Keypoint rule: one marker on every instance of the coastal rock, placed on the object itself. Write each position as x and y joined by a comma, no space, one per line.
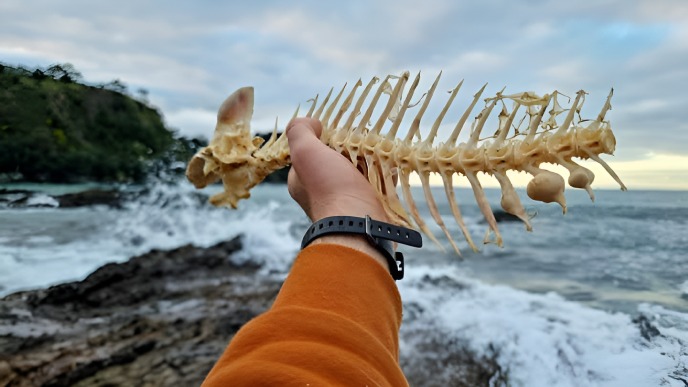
647,330
112,198
503,216
160,319
92,197
12,197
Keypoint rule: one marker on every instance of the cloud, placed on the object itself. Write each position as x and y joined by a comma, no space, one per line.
665,10
324,40
192,123
191,56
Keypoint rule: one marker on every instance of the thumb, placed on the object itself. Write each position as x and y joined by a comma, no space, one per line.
303,129
308,155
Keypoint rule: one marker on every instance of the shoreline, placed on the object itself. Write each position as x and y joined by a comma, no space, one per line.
164,316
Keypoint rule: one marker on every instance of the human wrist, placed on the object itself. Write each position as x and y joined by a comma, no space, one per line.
356,242
379,237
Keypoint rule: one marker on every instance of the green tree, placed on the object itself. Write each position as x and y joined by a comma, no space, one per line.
53,129
64,72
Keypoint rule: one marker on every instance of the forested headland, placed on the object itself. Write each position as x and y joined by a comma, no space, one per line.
56,128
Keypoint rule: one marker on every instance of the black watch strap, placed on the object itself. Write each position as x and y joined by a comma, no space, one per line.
381,235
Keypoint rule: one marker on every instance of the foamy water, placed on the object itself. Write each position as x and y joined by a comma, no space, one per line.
545,340
558,303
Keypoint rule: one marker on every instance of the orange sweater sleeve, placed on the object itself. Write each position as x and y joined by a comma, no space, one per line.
335,322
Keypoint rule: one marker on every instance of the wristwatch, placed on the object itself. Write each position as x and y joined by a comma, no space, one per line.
380,235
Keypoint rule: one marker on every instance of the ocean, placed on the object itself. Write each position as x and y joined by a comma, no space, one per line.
558,302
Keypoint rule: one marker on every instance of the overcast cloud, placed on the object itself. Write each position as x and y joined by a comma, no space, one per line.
191,55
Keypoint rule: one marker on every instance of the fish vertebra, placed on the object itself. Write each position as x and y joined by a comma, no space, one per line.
242,163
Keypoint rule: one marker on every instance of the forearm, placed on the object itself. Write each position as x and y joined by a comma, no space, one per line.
336,320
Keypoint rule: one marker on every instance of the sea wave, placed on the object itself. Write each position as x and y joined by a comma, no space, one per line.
543,339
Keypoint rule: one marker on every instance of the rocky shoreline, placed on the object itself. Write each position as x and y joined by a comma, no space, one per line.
163,319
20,198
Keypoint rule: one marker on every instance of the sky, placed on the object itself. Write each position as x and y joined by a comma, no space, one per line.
191,55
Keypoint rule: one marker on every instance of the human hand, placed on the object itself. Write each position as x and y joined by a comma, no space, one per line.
325,183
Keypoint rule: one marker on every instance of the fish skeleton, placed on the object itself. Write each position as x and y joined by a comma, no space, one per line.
242,161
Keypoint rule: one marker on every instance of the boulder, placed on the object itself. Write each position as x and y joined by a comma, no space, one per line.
112,198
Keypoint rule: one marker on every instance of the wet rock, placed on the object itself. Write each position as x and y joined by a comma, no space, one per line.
10,196
21,202
647,330
160,319
503,216
112,198
32,199
440,359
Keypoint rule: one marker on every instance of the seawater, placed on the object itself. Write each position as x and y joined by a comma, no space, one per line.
557,301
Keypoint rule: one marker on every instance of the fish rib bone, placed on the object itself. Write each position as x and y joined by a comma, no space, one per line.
242,162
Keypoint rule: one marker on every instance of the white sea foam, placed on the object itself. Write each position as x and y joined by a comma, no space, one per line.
267,239
544,340
42,200
47,246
